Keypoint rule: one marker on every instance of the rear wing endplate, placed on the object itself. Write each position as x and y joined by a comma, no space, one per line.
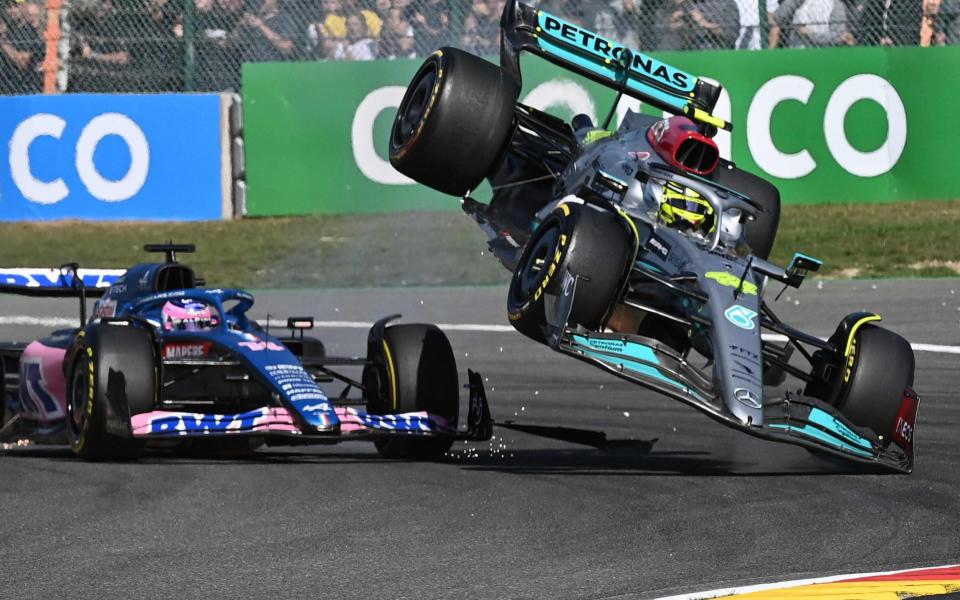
604,61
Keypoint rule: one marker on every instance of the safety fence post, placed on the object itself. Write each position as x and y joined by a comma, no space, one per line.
51,62
189,50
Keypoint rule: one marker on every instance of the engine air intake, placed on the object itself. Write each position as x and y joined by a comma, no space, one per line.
679,142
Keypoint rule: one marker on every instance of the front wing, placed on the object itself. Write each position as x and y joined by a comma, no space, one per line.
354,424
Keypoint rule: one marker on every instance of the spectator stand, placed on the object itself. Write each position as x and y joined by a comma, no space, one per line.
200,45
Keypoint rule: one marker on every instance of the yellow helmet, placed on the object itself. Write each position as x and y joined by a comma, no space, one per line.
685,209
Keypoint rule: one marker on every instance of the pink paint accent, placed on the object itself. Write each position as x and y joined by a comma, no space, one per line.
271,420
351,423
52,378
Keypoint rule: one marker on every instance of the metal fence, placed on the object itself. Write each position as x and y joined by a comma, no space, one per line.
200,45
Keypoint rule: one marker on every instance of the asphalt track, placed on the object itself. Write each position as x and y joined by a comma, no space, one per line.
678,504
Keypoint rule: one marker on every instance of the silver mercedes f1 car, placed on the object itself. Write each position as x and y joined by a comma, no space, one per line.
640,250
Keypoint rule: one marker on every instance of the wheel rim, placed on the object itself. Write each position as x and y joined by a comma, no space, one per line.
536,266
78,392
414,106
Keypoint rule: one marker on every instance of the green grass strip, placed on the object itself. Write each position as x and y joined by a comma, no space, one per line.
917,239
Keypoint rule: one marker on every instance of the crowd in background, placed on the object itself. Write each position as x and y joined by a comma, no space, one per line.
154,45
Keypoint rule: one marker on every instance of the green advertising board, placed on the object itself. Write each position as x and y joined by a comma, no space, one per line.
825,125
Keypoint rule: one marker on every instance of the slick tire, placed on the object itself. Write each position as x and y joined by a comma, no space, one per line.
879,368
760,233
454,122
113,376
420,375
586,241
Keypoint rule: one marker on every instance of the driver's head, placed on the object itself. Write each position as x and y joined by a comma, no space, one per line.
685,209
188,315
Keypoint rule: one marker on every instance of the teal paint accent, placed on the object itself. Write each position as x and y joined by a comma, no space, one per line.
655,65
827,421
797,255
823,436
630,350
611,74
741,316
652,267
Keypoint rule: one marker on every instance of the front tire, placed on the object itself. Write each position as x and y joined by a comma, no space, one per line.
878,370
454,121
420,375
586,241
112,377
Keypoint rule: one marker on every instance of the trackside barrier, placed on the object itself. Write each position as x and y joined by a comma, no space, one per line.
826,125
113,157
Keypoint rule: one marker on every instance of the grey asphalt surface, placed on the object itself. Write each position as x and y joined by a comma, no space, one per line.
680,503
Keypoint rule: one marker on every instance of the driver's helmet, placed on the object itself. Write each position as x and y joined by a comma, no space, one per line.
685,209
184,314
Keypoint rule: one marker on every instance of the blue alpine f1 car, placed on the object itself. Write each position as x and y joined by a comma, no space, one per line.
165,362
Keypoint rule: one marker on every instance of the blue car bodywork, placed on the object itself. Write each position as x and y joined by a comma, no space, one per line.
231,378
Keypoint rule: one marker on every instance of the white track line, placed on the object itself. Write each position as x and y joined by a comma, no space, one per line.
790,584
26,320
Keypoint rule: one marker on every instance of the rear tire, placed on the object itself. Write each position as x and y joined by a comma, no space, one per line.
880,367
454,121
421,375
760,233
112,377
589,242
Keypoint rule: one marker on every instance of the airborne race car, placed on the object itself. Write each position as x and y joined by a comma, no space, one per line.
640,250
165,363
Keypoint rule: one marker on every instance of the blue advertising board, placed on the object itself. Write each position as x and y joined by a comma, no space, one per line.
110,157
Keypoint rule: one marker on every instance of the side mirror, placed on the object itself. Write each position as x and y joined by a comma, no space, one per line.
800,266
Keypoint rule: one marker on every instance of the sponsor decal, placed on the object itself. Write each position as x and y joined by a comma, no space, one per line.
55,278
639,155
187,350
851,359
260,346
658,129
846,432
730,280
742,371
747,398
906,420
295,382
745,354
554,262
106,309
568,281
741,316
603,48
659,246
615,346
197,423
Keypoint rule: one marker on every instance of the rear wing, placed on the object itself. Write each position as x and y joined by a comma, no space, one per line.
69,281
605,61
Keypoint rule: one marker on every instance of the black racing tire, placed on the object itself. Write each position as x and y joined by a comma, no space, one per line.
761,233
880,367
420,375
454,122
113,376
585,240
